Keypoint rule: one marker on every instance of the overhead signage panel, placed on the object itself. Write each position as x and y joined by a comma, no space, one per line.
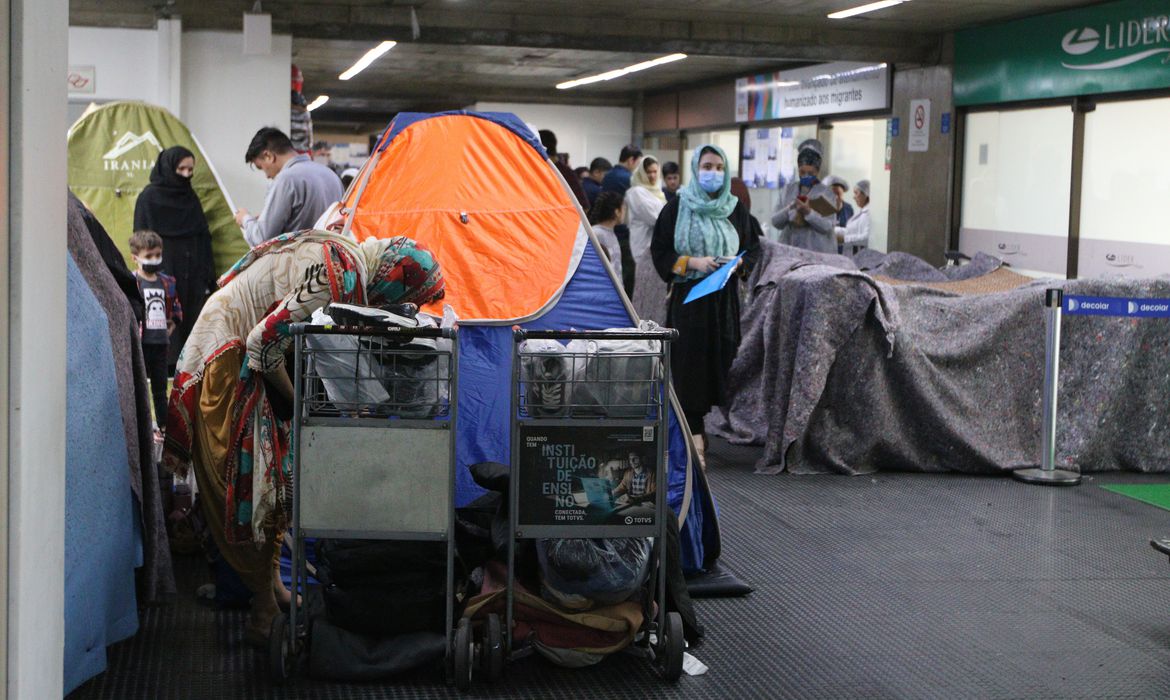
814,91
1116,47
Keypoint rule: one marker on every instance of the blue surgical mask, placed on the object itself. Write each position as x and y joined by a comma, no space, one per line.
711,180
808,180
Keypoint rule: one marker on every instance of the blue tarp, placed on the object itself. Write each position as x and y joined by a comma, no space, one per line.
101,544
505,119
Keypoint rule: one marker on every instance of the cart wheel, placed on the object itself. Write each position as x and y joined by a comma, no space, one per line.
494,648
280,656
462,654
672,647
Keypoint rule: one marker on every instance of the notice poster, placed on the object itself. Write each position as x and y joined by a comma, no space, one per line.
787,162
754,169
587,475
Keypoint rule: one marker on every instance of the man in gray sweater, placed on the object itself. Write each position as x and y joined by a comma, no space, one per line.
300,193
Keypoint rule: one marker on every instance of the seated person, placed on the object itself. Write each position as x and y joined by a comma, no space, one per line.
638,483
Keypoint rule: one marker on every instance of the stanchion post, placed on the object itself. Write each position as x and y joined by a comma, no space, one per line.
1047,473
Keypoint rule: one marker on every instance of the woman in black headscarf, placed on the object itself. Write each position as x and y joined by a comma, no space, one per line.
169,207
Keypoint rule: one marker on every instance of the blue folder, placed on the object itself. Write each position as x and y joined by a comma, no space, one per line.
713,282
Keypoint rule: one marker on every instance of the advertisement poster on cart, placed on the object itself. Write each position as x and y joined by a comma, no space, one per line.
587,475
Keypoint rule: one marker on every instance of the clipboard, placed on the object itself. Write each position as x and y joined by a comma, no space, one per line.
823,206
713,282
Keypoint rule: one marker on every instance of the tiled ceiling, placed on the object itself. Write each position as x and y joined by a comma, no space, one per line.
472,50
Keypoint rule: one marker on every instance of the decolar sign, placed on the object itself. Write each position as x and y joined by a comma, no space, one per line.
1118,45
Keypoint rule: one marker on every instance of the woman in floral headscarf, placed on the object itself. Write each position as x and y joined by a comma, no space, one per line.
231,376
704,225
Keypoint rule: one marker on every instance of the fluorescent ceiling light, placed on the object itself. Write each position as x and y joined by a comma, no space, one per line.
610,75
364,62
321,99
883,4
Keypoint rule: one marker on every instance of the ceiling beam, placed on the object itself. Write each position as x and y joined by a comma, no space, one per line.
361,106
764,40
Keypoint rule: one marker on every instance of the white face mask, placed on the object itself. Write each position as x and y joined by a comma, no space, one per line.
323,160
150,261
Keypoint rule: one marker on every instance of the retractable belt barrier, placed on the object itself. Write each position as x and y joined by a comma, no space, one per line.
1057,303
1116,306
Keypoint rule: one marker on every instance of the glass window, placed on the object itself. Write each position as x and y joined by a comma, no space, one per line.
1017,174
1125,181
857,151
784,140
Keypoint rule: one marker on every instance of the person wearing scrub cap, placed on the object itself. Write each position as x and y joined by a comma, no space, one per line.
798,223
854,235
840,187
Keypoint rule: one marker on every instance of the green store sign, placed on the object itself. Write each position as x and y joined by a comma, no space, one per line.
1115,47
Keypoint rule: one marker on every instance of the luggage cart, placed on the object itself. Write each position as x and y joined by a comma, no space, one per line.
373,449
606,401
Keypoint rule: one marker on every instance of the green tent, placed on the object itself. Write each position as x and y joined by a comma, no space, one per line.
112,149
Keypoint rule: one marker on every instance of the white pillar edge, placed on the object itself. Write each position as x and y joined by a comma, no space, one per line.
36,337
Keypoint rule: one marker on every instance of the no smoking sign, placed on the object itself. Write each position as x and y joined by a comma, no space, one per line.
919,137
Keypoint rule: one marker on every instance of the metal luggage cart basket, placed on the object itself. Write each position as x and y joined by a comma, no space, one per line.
603,393
373,448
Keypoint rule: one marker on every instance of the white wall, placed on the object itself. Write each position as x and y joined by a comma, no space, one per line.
204,78
227,97
583,132
36,349
125,62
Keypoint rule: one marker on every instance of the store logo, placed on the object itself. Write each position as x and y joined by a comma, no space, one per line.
1114,260
1132,308
1133,36
126,143
1080,42
1073,304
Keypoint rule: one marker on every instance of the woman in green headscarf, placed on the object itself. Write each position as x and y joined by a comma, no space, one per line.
704,223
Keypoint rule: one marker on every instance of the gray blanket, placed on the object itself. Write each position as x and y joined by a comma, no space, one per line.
838,372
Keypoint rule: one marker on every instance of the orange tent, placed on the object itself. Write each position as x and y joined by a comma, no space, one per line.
485,202
479,191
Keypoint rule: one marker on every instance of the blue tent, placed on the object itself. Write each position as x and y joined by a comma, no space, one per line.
480,192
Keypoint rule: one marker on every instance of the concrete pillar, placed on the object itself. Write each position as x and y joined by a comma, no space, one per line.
920,183
170,64
36,215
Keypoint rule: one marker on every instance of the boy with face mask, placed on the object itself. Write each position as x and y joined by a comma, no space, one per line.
163,313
